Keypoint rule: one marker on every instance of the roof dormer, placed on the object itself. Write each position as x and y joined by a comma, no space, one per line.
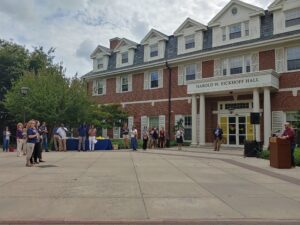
154,45
237,21
100,58
286,15
189,36
125,52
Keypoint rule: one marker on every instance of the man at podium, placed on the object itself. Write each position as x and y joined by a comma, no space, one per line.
289,134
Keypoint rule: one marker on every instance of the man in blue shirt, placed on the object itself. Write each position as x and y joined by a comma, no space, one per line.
82,130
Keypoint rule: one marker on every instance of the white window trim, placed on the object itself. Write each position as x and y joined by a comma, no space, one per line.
121,85
228,65
149,77
104,88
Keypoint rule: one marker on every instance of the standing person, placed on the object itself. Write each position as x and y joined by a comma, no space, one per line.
289,134
20,139
44,133
92,138
6,138
145,138
179,138
24,147
125,133
31,139
82,130
133,140
37,151
55,138
155,137
162,138
62,132
218,134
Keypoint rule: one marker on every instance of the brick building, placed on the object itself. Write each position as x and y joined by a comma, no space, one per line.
245,60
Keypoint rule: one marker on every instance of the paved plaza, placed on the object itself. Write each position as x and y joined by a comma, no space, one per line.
193,186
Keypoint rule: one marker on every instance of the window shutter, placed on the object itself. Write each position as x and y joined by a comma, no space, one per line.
104,132
104,86
130,122
180,74
144,123
118,84
162,121
180,44
217,67
118,59
161,49
279,60
146,53
130,56
160,78
94,91
254,62
116,132
277,121
146,80
130,82
199,70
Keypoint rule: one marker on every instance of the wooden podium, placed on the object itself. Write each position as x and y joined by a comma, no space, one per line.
280,153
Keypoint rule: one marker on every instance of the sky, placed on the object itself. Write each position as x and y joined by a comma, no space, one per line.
75,27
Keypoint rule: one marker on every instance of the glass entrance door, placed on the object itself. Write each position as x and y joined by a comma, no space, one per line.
236,129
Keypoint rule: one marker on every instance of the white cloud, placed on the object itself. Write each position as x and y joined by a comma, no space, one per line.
76,27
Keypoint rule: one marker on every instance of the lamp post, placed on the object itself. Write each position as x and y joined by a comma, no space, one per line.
24,92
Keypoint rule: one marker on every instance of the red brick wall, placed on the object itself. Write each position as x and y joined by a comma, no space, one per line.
113,43
289,80
285,101
208,69
267,60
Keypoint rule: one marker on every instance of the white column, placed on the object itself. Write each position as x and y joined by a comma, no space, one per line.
202,120
194,120
267,116
256,109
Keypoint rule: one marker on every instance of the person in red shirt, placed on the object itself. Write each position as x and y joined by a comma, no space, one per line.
289,134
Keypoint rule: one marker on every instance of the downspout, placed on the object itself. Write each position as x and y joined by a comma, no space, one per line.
169,103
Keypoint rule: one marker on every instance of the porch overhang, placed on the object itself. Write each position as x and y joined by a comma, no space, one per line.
234,83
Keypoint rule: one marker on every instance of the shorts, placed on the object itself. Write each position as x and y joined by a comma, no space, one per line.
125,136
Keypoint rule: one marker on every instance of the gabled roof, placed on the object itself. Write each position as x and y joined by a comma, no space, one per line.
131,44
277,4
154,32
100,48
191,22
237,2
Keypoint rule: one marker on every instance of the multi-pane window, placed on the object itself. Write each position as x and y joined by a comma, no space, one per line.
236,65
154,79
154,122
189,41
224,67
154,50
190,72
235,31
124,83
125,57
293,58
247,63
293,118
292,17
100,85
246,24
243,105
99,64
187,128
224,33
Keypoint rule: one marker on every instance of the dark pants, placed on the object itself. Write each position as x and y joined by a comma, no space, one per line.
145,142
133,143
293,146
37,152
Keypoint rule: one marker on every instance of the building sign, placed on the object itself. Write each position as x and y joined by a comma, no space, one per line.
219,84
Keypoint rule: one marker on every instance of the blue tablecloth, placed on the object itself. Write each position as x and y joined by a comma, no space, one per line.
72,144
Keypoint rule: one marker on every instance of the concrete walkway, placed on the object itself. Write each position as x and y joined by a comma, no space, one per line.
193,186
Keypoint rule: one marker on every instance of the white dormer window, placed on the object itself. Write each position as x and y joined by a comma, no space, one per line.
224,33
154,50
246,26
100,64
235,31
189,41
124,83
292,17
190,72
124,57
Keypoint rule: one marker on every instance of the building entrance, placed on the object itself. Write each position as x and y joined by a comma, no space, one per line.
236,129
